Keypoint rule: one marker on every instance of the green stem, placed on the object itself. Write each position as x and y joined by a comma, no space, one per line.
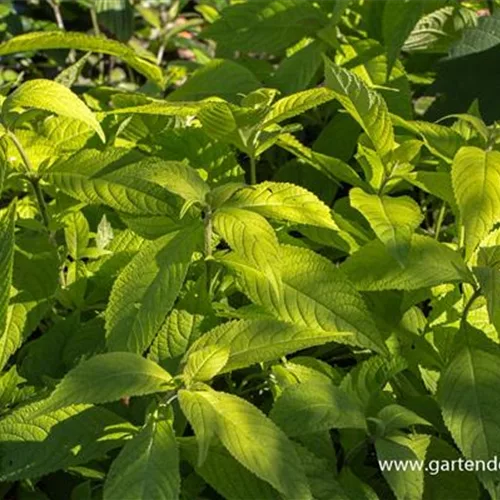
33,180
440,219
253,170
208,229
470,303
54,4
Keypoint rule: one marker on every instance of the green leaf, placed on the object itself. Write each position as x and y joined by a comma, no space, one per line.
108,377
54,97
46,40
283,201
296,104
220,77
35,443
147,288
489,280
297,72
265,26
468,398
397,417
205,364
440,140
252,238
316,295
407,483
333,168
316,407
115,177
365,105
367,379
7,221
117,16
177,333
34,282
76,234
226,475
253,439
147,466
258,341
429,263
483,36
398,21
476,182
393,220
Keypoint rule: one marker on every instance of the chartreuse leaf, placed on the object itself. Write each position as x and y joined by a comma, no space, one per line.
316,406
253,439
108,377
251,237
147,466
45,40
162,108
395,417
54,97
429,263
282,201
407,483
35,443
365,105
205,364
296,104
398,21
76,234
393,220
7,220
489,280
316,295
476,182
147,288
467,394
440,140
114,177
257,341
226,475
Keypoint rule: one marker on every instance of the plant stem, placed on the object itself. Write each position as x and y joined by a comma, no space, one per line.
470,303
440,220
208,228
95,22
54,4
33,180
253,170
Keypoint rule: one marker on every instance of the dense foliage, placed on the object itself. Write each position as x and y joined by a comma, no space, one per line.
248,249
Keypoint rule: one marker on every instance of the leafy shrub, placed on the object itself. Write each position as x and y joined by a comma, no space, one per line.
249,267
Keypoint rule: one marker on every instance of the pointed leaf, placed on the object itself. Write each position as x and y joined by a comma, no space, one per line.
147,288
147,466
429,263
205,364
316,295
283,201
316,407
44,40
393,220
7,220
54,97
476,182
35,443
108,377
258,341
253,439
365,105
